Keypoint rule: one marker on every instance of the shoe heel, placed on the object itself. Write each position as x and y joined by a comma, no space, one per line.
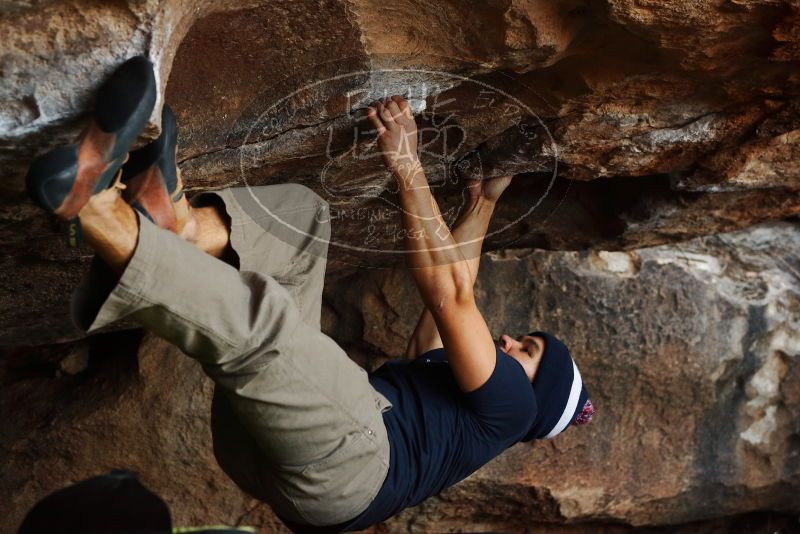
51,176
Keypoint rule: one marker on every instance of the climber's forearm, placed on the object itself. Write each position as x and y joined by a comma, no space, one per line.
468,232
435,259
470,229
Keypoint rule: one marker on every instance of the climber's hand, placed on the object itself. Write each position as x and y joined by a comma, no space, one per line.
397,135
488,188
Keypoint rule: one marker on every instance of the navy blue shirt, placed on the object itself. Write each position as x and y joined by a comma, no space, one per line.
439,435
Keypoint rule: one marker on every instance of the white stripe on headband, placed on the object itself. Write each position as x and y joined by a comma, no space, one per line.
572,403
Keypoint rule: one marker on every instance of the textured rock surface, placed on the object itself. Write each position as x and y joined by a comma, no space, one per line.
691,352
149,412
662,121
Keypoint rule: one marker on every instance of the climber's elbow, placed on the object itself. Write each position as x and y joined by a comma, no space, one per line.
448,291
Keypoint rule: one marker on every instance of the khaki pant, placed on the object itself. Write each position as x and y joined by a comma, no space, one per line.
295,421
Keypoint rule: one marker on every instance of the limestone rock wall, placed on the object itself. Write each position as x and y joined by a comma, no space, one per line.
628,124
691,354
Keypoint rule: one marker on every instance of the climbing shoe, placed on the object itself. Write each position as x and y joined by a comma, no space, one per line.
152,179
62,180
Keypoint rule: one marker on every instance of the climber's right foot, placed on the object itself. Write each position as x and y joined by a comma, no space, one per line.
152,179
63,180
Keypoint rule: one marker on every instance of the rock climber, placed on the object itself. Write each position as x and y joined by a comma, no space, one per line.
234,279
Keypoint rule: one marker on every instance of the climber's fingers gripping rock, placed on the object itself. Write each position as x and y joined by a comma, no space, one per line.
397,135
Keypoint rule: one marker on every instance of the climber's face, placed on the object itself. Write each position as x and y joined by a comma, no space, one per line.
527,350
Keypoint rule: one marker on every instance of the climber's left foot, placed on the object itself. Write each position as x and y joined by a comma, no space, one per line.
153,180
62,180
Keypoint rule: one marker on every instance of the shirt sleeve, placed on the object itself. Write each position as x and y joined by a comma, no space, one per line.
504,407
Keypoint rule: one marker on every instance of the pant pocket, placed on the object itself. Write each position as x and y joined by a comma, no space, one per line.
340,486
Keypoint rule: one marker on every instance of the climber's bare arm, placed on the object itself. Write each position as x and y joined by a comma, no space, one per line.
469,232
438,266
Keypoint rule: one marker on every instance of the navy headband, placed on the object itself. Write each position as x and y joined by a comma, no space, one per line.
559,390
